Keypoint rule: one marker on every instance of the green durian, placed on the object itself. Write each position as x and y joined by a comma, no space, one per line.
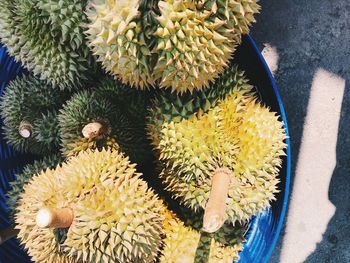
110,214
238,139
92,120
29,109
119,35
47,37
30,170
185,244
8,30
131,102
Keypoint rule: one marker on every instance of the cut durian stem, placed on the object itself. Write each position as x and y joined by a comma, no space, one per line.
215,211
25,129
94,130
7,233
54,218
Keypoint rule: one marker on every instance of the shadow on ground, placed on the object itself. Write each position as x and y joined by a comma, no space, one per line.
310,35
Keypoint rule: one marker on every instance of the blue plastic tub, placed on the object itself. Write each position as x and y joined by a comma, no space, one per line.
264,229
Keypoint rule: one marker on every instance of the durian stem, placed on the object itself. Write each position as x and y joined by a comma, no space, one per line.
54,218
25,129
7,233
93,130
215,210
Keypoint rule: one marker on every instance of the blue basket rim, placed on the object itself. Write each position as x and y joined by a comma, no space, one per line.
288,153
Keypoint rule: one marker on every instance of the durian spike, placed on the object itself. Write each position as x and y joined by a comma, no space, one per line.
7,233
25,129
215,210
54,218
93,130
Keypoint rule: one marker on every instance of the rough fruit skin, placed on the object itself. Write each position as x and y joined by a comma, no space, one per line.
47,37
167,107
192,46
48,162
184,244
251,148
46,129
177,44
119,36
196,39
113,108
238,133
82,108
238,14
32,100
116,215
131,102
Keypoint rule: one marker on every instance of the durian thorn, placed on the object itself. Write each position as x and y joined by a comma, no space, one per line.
215,210
94,130
25,129
54,218
7,233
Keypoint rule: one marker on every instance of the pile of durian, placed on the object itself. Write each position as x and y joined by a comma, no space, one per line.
151,145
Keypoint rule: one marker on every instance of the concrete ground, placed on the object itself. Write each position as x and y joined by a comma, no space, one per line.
307,42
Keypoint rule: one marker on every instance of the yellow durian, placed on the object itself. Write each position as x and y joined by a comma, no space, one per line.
223,158
184,244
93,208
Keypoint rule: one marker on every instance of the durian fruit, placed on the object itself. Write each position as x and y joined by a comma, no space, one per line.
94,208
196,39
192,46
91,120
183,243
17,188
238,14
8,29
167,107
120,36
225,160
131,102
29,108
30,170
179,44
47,37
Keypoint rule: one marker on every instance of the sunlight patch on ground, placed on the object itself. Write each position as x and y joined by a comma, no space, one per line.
310,209
271,57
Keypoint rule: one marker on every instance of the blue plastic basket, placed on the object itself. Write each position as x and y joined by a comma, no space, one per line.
264,229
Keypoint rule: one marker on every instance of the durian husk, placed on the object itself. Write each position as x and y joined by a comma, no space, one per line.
46,130
237,133
84,144
42,244
47,37
131,102
119,36
124,130
24,177
192,46
8,30
184,244
170,107
34,102
116,216
238,14
176,44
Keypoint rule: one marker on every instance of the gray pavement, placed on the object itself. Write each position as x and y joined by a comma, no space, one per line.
311,39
